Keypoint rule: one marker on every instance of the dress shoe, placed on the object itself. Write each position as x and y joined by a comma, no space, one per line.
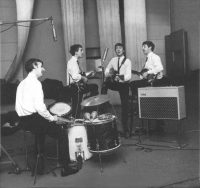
73,164
68,171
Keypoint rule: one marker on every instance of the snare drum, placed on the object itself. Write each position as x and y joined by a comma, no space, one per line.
78,142
103,136
60,109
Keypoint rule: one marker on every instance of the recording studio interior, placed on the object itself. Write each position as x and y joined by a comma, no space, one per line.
100,93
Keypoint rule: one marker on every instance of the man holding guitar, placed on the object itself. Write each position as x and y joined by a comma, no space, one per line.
118,75
77,80
152,72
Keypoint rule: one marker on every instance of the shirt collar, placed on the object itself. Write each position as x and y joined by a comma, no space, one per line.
74,58
32,75
149,54
120,57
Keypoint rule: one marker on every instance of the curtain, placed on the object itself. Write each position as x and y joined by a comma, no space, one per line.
24,12
135,31
109,26
73,27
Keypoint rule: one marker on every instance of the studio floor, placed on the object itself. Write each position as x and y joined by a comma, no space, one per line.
157,164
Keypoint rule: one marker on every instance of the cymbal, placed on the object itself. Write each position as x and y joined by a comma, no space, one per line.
95,100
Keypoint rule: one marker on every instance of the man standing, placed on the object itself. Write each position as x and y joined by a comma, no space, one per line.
35,117
77,80
118,75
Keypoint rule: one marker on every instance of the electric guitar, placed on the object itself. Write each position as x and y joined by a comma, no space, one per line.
150,77
112,76
81,84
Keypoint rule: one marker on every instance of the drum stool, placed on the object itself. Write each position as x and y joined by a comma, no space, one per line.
55,158
27,168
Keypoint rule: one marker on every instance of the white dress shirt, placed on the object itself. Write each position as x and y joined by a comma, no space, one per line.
73,71
30,98
154,65
124,70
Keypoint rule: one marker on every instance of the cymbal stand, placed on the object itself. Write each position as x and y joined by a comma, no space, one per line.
98,150
17,170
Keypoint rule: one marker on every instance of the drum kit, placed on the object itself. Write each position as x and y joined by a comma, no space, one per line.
95,134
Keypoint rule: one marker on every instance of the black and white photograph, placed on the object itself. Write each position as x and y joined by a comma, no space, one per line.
99,93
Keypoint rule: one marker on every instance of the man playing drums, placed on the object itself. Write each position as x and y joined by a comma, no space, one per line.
35,117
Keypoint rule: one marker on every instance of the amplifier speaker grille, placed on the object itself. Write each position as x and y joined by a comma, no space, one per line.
162,102
159,107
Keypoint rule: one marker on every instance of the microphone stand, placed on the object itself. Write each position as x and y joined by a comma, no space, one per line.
102,66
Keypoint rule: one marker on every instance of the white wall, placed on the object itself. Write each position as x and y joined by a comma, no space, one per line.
185,14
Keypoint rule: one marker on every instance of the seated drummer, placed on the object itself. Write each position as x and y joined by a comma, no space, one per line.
35,117
118,75
77,80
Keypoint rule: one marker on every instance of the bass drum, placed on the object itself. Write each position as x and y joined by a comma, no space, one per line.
78,142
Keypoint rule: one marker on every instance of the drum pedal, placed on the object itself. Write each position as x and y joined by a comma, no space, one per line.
80,152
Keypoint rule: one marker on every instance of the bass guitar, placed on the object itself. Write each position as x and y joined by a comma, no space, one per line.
150,77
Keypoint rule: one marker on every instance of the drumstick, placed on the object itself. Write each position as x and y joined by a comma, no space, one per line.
64,120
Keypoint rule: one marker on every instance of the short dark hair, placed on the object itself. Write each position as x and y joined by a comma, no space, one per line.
119,44
74,48
149,44
29,65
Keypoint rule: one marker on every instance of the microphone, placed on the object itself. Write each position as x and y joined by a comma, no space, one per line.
105,54
53,29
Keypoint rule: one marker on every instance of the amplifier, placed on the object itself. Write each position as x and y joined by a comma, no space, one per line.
162,102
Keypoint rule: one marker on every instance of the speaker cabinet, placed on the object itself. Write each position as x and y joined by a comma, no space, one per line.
162,102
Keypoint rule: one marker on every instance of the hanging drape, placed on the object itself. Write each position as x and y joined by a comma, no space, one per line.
73,27
135,31
24,12
109,26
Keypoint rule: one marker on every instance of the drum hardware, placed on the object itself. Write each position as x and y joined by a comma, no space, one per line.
62,110
78,141
103,136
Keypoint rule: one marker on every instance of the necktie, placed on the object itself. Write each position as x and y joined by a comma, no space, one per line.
118,65
79,66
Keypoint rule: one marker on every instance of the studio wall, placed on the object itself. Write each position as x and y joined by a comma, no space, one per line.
163,16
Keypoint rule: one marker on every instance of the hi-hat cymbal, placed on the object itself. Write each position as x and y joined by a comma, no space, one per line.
95,100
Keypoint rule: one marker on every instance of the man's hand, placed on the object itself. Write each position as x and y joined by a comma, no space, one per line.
55,118
84,79
144,75
117,78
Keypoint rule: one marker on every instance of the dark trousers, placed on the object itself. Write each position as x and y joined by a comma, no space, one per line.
77,96
41,127
123,89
